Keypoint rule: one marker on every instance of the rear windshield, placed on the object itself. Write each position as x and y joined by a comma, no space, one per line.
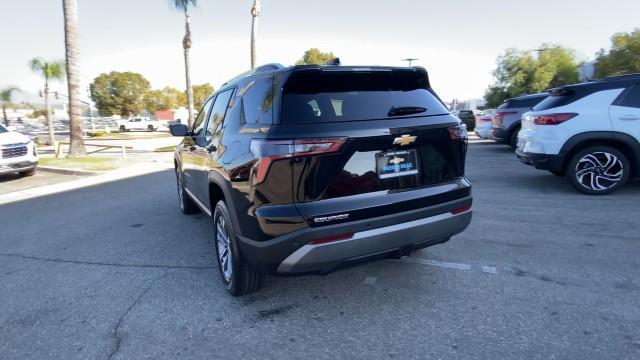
325,96
555,101
526,103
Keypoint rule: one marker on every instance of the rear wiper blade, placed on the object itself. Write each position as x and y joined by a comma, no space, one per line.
406,110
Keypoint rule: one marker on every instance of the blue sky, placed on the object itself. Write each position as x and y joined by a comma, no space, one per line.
456,40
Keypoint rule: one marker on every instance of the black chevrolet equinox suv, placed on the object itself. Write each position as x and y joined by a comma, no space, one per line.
307,169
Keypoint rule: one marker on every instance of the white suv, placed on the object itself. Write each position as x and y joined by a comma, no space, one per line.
17,153
588,131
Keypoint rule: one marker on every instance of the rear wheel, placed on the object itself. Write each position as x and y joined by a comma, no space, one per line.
187,206
513,137
150,128
122,128
237,276
598,170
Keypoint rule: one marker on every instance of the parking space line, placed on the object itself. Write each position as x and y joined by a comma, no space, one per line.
449,265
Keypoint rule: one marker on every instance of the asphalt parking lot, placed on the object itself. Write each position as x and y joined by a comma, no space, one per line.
13,182
116,272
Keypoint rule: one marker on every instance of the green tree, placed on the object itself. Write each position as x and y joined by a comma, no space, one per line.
183,5
622,58
520,72
201,93
315,56
5,97
164,99
120,93
76,141
53,70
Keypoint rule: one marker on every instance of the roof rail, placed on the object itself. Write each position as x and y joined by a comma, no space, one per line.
621,77
259,69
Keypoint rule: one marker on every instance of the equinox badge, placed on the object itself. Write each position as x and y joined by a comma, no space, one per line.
404,140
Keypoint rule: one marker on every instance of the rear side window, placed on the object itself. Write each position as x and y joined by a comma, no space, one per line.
631,98
317,96
257,101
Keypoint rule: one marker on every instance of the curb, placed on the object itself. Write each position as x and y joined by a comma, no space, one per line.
64,171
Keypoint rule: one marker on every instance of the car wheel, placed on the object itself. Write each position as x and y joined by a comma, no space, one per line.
598,170
237,275
150,128
122,128
28,173
187,205
513,137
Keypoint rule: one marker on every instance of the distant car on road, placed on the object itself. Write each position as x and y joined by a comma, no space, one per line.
507,119
468,118
484,122
588,132
139,124
17,153
349,164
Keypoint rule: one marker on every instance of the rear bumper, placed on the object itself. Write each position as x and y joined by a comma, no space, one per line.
404,237
541,161
398,233
499,135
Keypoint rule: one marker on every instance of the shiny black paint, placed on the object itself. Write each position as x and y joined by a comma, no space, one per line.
279,205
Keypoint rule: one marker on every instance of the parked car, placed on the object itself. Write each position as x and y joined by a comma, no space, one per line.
139,124
309,168
17,153
507,119
484,122
589,132
468,118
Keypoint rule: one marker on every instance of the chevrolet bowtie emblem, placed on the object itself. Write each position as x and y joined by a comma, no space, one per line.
396,160
404,140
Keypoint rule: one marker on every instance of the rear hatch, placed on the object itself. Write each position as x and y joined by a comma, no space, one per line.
368,142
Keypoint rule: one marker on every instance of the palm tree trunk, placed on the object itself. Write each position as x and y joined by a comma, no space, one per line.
52,138
186,44
254,26
76,142
4,114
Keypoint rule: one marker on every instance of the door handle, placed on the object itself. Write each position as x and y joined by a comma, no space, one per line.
629,117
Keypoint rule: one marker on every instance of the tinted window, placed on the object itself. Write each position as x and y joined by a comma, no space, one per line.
217,112
632,97
3,129
257,101
198,124
524,103
554,101
316,96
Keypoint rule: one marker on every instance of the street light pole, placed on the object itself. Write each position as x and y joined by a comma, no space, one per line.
255,12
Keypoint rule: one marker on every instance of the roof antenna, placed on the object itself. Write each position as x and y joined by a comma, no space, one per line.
334,61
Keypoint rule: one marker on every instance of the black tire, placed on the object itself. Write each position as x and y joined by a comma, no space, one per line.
237,276
598,170
28,173
122,128
513,137
187,205
150,128
558,173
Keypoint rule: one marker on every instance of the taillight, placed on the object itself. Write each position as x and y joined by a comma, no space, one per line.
552,119
458,133
268,151
498,118
460,210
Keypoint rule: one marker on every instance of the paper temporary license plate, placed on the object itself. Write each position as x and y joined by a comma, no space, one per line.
396,163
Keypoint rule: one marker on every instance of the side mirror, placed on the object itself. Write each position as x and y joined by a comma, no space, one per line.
178,130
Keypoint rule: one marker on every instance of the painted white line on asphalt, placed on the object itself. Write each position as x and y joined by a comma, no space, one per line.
448,265
489,269
370,280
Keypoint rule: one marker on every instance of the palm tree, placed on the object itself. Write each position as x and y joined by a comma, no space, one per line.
183,5
5,96
49,71
76,142
255,12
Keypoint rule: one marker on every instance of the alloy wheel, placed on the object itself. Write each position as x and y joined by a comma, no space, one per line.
599,171
224,248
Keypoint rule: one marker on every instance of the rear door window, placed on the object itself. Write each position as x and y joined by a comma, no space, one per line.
325,96
632,97
257,101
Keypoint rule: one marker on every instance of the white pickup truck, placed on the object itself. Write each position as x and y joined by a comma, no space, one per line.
139,124
17,153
